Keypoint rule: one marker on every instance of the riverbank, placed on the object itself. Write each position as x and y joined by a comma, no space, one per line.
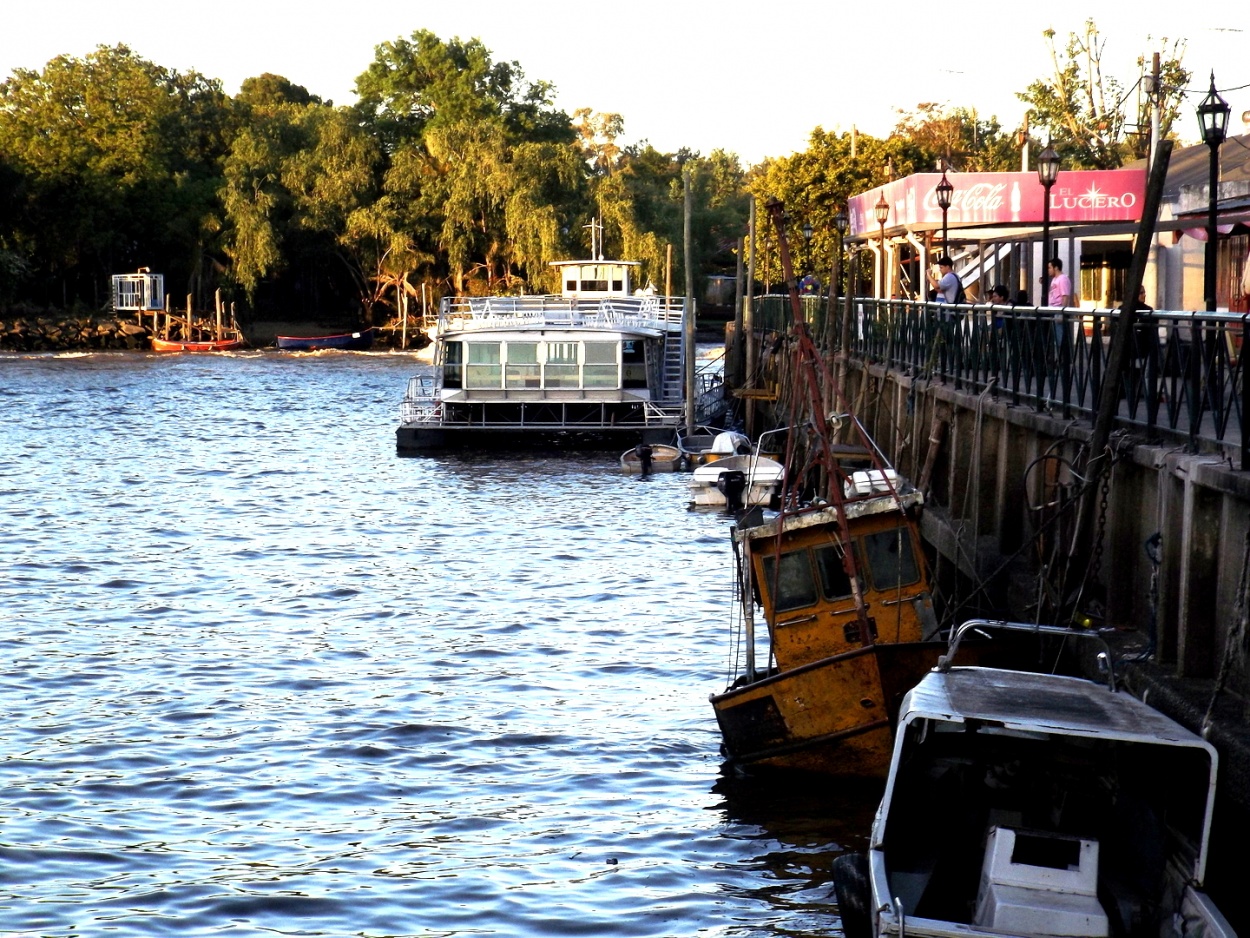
55,331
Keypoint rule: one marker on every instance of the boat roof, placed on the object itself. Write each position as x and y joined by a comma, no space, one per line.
1047,703
828,514
593,261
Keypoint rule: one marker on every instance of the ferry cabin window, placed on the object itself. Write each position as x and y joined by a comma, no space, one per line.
633,364
484,369
891,561
560,370
453,365
791,587
522,370
600,368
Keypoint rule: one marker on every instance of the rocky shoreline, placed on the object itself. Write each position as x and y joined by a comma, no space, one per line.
59,332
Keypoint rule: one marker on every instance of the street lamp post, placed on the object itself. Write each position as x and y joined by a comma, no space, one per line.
882,211
944,192
840,222
1213,118
807,240
1047,173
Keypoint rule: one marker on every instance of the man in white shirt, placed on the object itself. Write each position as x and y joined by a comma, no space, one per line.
947,285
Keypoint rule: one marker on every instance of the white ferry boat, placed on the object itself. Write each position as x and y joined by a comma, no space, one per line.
600,364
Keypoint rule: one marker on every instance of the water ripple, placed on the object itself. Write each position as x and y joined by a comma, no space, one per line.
263,677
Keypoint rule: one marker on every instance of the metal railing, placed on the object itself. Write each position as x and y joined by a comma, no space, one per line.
1184,371
616,312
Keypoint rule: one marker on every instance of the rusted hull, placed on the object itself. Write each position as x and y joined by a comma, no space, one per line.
833,716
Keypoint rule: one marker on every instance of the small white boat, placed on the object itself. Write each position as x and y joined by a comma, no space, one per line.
1036,806
737,481
703,444
650,457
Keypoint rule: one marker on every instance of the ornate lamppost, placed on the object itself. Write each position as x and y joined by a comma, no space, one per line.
1047,173
807,240
1213,118
882,211
840,222
945,189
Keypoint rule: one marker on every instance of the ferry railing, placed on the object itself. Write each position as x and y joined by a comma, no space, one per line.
1185,372
495,312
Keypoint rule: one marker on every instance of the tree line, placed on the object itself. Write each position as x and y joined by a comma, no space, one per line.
451,171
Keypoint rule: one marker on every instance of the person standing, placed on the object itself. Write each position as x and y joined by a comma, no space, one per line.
946,284
1060,294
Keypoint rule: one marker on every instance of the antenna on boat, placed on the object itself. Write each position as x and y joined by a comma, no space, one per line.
596,239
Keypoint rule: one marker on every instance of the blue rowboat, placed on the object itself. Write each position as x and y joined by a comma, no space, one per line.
348,341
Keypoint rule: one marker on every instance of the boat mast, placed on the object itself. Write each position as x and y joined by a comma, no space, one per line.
809,364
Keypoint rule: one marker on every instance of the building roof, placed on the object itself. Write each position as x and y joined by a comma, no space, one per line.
1189,171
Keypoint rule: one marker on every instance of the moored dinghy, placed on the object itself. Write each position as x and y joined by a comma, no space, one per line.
345,342
650,457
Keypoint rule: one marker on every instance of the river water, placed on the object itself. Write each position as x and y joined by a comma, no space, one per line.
262,677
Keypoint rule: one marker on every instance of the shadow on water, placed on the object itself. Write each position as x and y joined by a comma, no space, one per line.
803,822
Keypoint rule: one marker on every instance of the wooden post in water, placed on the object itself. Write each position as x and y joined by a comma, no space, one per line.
190,320
1098,462
668,273
739,348
217,304
688,303
155,326
748,325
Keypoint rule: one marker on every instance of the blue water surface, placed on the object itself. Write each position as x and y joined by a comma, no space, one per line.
260,676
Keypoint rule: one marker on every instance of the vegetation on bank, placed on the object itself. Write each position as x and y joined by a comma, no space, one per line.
451,172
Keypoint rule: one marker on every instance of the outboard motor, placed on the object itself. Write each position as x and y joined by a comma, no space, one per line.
732,483
643,452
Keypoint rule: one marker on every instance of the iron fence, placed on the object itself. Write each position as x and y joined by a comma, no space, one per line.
1184,372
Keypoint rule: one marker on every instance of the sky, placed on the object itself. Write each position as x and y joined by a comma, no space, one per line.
751,78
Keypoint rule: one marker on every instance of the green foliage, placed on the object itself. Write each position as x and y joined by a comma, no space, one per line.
814,185
117,158
958,139
1084,112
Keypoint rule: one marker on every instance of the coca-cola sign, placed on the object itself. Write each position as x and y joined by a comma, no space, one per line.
1003,199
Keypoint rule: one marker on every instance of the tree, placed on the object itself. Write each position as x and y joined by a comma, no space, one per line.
958,139
301,191
1084,111
479,155
119,159
816,183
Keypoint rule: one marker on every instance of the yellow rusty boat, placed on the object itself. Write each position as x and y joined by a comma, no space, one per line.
840,579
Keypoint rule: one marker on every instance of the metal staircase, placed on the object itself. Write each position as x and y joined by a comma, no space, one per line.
672,391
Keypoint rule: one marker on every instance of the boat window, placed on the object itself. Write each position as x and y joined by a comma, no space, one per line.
891,560
794,586
453,364
484,369
834,582
618,286
600,370
523,369
560,370
633,364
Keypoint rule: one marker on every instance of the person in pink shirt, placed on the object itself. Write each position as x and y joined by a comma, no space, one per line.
1060,294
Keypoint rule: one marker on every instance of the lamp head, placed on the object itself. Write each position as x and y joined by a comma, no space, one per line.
945,189
881,210
1213,117
1047,166
841,222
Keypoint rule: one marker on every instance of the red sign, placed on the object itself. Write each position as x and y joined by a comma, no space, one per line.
1004,199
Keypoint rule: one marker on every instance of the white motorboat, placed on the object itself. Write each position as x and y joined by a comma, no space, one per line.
1029,804
737,481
